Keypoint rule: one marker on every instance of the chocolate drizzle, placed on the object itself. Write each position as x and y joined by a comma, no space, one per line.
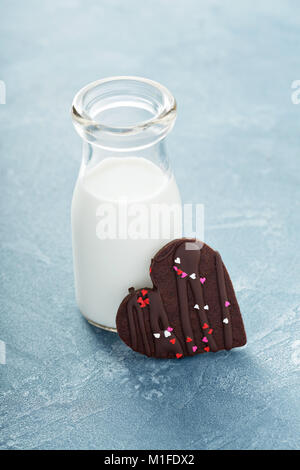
227,325
184,315
189,255
137,322
164,341
198,297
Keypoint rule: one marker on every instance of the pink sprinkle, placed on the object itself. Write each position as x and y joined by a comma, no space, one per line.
202,280
205,340
169,328
227,303
195,348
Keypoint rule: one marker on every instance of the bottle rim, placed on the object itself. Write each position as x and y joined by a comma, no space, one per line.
164,118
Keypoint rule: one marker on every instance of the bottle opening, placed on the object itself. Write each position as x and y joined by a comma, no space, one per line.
123,112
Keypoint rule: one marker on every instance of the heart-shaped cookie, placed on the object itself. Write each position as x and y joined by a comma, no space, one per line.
174,321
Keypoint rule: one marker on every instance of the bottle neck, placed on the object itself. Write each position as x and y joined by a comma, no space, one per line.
156,153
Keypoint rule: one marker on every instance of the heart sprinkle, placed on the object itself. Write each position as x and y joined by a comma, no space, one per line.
193,276
210,331
144,292
188,340
177,260
206,307
178,355
196,306
202,280
142,302
169,328
227,303
226,321
156,335
205,340
195,348
206,349
179,272
173,340
205,326
167,333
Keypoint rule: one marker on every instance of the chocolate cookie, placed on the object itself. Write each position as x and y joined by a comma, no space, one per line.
191,309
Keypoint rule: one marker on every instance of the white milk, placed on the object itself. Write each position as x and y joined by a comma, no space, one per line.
106,268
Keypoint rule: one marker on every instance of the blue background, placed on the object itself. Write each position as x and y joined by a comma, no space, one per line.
235,147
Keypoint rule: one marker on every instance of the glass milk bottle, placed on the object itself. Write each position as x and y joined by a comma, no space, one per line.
126,204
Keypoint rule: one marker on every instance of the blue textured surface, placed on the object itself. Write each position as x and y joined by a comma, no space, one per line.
235,148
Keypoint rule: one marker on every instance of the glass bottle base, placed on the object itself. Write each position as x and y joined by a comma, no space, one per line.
107,328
